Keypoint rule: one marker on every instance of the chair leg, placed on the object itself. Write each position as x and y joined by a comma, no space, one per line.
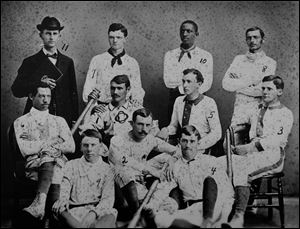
280,199
270,210
16,204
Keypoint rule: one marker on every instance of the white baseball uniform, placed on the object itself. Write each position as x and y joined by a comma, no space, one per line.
190,176
173,67
269,132
250,70
100,73
43,128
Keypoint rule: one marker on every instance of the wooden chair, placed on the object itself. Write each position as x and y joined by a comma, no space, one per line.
24,189
241,136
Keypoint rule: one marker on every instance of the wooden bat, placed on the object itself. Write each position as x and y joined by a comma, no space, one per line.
228,153
86,109
149,194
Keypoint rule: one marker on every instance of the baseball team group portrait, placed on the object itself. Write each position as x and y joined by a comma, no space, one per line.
139,114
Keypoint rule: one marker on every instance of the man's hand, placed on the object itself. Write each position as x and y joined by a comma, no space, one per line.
233,75
136,103
154,172
59,206
88,219
154,129
27,137
169,171
94,94
53,142
50,151
163,134
48,81
100,109
244,149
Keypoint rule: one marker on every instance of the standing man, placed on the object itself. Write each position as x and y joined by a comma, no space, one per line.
43,139
270,128
188,55
195,109
245,74
52,68
115,61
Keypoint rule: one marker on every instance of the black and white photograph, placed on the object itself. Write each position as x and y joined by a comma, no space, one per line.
149,114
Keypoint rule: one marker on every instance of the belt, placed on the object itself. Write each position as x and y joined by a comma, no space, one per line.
75,205
191,202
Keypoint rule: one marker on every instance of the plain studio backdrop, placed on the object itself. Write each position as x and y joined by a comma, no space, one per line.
153,29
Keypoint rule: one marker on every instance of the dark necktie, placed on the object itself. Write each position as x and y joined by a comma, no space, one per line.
188,162
187,112
260,125
187,51
54,55
116,58
182,53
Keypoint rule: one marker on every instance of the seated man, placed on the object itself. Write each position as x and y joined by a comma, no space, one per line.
86,197
205,186
43,139
129,153
115,117
195,109
270,128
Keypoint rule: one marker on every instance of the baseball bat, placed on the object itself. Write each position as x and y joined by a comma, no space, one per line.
228,153
149,194
84,112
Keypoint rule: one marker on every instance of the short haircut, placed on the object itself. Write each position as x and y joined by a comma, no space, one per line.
34,90
262,34
190,22
189,130
91,133
196,72
118,26
277,80
144,112
119,79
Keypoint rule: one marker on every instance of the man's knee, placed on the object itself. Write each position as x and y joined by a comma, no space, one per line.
106,221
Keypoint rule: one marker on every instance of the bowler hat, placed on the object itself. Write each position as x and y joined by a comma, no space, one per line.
50,23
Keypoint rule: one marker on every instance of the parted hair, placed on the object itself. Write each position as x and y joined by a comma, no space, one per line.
92,133
119,79
277,80
144,112
262,34
196,72
190,130
34,90
118,26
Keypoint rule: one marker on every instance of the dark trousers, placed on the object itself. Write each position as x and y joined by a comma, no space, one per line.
173,94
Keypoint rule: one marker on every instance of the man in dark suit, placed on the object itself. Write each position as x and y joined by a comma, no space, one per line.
53,69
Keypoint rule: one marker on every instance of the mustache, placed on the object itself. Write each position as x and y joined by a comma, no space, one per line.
143,132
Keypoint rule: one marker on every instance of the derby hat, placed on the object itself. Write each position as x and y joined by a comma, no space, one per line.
50,23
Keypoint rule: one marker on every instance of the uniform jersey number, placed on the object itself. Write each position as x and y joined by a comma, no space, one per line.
124,160
213,170
211,114
203,61
280,131
264,68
